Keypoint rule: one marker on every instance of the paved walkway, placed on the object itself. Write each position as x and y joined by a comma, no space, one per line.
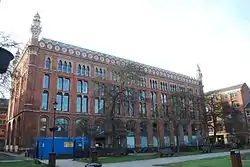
148,163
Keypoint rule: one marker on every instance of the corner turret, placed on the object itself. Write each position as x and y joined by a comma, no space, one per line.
198,73
35,29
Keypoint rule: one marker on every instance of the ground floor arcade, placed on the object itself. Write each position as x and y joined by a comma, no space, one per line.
22,130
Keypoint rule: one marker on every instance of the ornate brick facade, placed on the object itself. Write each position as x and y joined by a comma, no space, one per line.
25,110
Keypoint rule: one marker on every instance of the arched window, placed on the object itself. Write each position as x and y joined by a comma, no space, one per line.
18,133
79,86
59,101
83,70
13,131
66,102
79,69
87,71
43,126
166,135
69,67
9,134
81,128
59,65
62,125
104,74
45,99
79,104
100,72
96,72
48,63
65,67
143,134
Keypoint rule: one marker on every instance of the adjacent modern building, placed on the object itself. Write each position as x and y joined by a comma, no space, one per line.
3,114
238,97
52,71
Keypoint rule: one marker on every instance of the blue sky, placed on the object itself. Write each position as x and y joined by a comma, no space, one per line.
170,34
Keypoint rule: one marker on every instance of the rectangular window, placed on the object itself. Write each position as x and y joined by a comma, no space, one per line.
66,103
78,104
85,104
96,105
101,109
117,108
79,86
85,87
60,83
46,81
45,101
66,85
59,102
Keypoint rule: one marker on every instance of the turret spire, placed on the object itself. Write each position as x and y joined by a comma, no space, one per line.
198,73
35,29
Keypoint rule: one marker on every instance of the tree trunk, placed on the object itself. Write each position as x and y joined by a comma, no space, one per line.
214,137
176,130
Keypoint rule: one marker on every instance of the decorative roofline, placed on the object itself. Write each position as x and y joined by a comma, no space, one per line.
72,50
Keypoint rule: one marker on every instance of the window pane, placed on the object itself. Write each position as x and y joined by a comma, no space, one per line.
65,67
69,68
83,70
85,87
59,83
59,65
126,106
44,120
101,106
45,101
79,86
59,102
62,125
79,69
66,103
87,71
43,129
66,85
96,105
104,74
85,104
79,104
46,81
47,65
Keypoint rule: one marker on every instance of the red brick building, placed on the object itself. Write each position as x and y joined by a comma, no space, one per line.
53,71
237,96
3,114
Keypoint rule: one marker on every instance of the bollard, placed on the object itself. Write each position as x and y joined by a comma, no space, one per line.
52,159
235,158
94,156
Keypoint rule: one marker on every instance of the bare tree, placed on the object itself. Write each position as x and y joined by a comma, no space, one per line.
214,115
5,79
113,96
234,121
223,115
181,112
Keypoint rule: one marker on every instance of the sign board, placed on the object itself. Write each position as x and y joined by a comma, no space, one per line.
68,144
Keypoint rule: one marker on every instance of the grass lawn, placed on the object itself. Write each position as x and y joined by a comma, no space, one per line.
21,164
211,162
111,159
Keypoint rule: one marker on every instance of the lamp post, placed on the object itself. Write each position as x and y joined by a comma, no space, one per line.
52,154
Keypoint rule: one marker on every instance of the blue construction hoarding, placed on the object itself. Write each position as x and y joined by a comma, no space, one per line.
63,146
